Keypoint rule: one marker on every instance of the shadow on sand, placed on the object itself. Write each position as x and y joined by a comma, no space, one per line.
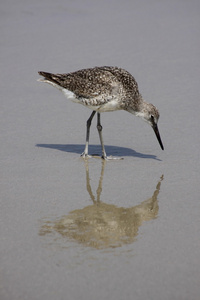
95,150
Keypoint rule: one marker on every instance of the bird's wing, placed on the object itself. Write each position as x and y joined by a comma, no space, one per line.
87,83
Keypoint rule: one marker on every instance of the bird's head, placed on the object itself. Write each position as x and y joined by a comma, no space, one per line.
149,113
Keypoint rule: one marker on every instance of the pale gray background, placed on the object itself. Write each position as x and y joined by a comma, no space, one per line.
158,42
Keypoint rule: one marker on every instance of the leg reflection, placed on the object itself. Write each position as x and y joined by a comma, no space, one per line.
103,225
88,185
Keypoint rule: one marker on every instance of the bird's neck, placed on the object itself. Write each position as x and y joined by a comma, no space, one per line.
138,107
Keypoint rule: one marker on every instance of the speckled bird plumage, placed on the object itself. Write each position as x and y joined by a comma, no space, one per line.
97,86
105,89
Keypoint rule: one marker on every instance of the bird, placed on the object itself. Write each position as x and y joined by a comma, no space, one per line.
104,89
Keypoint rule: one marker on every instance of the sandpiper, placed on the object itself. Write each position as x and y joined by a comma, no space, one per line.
104,89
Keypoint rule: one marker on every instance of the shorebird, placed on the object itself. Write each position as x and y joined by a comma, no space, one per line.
104,89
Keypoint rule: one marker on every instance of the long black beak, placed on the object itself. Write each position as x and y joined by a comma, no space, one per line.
155,128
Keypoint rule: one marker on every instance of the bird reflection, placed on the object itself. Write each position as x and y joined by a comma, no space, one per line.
102,225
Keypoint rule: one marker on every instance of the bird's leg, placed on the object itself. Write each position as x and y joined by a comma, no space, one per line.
89,121
99,128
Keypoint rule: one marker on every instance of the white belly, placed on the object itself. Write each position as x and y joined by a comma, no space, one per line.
111,105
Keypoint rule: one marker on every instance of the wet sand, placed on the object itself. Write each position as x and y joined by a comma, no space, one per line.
89,229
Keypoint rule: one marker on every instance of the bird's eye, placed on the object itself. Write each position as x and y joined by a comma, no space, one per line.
152,118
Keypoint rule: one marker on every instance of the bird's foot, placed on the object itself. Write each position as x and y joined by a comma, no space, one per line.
111,157
105,157
85,156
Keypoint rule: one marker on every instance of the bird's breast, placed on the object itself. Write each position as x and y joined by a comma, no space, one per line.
111,105
98,103
101,105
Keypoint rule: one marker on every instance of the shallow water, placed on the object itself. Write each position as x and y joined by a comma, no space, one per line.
101,225
88,229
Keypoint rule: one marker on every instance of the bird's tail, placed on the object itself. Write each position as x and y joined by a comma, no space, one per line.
48,77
